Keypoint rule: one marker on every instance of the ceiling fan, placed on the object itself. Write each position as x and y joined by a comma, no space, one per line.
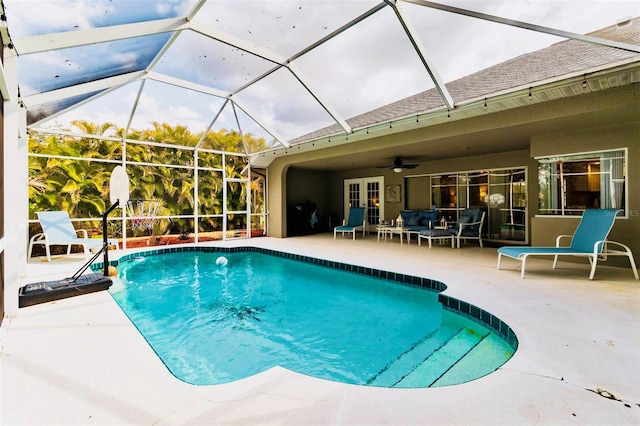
398,165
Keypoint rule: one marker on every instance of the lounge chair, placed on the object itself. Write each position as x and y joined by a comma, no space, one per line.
57,230
589,240
355,222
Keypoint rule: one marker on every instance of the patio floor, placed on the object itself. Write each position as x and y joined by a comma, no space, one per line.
80,360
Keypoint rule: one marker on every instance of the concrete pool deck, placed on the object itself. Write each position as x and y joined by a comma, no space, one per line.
81,361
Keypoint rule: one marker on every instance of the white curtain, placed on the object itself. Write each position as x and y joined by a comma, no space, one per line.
612,180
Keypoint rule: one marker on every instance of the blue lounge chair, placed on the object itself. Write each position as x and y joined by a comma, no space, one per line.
356,221
57,230
589,240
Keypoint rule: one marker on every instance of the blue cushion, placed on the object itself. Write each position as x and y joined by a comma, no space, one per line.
407,214
435,232
465,219
428,214
428,217
473,214
413,221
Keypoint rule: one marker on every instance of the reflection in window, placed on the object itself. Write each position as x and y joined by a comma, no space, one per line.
500,193
373,203
444,195
570,184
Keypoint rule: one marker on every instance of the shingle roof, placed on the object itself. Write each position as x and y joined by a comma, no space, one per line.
563,58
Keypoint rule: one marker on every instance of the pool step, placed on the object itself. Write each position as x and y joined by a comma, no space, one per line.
436,366
485,358
393,372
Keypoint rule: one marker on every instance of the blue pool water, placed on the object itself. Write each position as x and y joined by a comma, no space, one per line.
214,324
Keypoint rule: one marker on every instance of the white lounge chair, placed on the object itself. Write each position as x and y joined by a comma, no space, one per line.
57,230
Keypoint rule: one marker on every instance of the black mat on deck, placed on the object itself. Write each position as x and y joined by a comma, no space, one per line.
46,291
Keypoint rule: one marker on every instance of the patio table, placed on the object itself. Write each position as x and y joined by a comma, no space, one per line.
385,231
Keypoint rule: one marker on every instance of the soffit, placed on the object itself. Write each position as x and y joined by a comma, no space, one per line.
505,136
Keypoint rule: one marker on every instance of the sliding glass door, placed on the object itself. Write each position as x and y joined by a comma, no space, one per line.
500,193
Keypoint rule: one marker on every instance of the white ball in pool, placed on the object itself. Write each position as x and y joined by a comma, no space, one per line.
222,261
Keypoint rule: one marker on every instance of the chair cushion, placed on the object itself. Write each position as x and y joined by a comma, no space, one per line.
474,214
413,221
428,217
470,231
407,214
436,232
356,216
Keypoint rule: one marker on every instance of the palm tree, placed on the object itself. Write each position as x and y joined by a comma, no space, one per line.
81,187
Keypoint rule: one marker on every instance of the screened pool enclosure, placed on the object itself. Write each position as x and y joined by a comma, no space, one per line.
195,98
192,194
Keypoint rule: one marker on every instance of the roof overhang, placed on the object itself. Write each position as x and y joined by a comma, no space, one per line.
587,81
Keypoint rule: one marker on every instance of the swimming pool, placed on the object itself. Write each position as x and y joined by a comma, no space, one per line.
211,324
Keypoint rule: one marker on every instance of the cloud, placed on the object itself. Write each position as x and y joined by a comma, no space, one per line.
367,66
41,17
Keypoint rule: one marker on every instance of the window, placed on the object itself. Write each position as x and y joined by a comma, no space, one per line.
572,183
500,193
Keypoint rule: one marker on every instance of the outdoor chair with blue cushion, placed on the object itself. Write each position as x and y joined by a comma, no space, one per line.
420,220
355,222
57,230
468,226
435,234
589,240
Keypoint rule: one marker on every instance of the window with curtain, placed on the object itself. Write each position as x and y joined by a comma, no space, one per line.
570,184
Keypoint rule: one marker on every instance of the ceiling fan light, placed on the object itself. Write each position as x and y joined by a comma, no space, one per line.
397,169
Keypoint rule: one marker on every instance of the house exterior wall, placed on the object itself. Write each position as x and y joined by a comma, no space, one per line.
277,199
544,229
314,190
417,192
556,127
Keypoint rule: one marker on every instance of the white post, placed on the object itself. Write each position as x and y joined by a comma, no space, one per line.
224,197
123,208
248,204
16,198
196,201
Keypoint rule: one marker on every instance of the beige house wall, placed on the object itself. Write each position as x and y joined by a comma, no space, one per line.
544,229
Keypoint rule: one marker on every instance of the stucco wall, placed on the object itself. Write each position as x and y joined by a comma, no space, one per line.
544,229
417,193
277,199
308,186
314,187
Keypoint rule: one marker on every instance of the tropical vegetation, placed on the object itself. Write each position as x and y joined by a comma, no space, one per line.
72,173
